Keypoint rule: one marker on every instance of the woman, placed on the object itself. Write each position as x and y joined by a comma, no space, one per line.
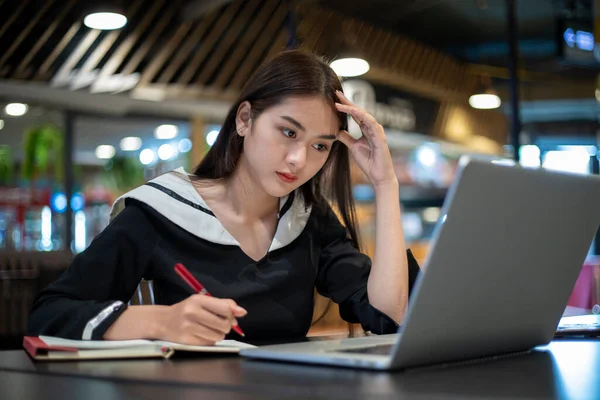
251,224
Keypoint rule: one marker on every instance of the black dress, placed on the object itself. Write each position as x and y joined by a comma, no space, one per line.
166,222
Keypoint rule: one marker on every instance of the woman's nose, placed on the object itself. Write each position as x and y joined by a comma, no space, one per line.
297,157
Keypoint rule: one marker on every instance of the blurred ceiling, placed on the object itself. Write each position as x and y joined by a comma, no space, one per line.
446,23
552,88
217,43
205,49
476,30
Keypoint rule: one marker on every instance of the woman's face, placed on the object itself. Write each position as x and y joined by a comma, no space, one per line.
289,143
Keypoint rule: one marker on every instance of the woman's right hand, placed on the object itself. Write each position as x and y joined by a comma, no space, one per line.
199,320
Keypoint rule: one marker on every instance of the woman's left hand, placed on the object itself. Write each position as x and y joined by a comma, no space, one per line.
370,151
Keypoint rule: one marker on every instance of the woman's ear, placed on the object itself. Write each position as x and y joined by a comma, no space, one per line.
243,118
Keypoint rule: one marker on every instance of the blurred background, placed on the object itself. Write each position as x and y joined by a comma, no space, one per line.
98,96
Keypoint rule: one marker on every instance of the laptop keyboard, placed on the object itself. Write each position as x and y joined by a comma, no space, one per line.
381,349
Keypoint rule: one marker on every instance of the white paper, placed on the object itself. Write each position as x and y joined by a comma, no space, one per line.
120,344
223,343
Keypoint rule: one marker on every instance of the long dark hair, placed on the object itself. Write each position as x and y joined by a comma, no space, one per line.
290,73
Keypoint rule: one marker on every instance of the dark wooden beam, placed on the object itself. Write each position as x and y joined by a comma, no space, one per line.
125,47
44,70
253,59
7,24
184,51
24,32
227,41
155,33
222,24
162,58
21,70
82,47
251,35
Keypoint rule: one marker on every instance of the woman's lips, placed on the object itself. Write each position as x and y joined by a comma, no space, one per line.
288,178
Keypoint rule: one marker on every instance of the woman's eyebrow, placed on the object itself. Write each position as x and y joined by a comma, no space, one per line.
328,137
302,128
294,122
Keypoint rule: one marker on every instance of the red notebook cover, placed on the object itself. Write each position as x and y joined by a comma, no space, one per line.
34,346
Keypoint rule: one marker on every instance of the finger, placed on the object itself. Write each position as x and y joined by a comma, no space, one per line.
239,312
193,340
235,309
207,333
354,110
226,308
212,304
361,117
343,98
214,321
222,307
350,110
196,313
345,138
372,130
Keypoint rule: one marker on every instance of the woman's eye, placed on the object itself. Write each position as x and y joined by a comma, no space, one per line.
289,133
321,147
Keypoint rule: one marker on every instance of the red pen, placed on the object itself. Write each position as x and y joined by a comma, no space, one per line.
197,286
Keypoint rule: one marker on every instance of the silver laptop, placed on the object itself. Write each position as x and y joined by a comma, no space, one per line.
503,261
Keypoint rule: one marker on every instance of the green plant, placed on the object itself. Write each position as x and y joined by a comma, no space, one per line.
124,173
6,165
43,150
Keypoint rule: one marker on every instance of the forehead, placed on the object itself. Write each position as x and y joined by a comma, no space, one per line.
313,112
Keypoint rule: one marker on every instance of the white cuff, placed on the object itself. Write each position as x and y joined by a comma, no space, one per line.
98,319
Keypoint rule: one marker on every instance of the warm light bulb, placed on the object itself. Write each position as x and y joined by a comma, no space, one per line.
350,66
16,109
105,21
484,101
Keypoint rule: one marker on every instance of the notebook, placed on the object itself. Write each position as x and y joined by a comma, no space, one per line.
52,348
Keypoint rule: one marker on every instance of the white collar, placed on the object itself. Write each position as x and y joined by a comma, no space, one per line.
174,196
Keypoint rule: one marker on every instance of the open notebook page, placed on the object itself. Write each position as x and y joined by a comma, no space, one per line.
120,344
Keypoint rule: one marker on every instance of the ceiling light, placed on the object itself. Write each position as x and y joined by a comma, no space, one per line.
147,156
431,214
105,20
1,124
184,145
16,109
350,66
166,151
485,97
166,131
131,143
105,151
427,156
211,137
485,101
